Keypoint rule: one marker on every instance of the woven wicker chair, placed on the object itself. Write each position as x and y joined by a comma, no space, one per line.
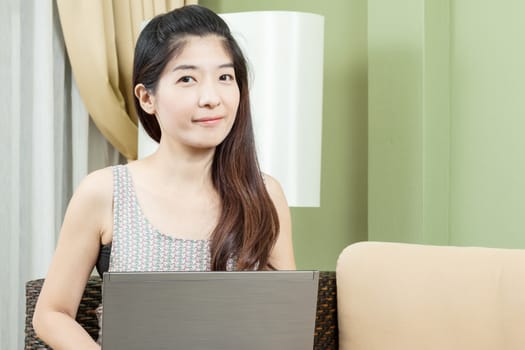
325,334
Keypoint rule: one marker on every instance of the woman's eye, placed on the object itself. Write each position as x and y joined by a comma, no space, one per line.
227,77
186,79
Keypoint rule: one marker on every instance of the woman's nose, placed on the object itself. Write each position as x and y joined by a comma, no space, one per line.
209,96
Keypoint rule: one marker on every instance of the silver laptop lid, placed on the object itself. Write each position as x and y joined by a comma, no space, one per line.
209,310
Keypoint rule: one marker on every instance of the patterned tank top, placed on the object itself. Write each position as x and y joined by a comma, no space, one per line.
138,246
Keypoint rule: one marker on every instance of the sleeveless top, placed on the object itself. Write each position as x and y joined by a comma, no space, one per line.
138,246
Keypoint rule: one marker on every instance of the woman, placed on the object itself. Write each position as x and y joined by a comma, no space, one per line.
199,202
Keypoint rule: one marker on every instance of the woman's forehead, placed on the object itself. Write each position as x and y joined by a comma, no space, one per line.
205,49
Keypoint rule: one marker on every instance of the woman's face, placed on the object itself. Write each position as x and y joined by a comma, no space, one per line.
197,96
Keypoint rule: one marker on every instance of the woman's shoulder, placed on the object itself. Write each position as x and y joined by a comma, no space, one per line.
91,204
272,184
97,186
282,256
100,177
274,189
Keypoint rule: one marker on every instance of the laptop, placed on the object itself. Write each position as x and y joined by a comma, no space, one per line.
209,310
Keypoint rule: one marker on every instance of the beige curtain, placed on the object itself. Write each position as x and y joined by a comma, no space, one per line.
100,36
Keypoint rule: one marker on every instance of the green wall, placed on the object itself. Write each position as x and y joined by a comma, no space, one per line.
320,234
409,122
423,124
446,122
488,123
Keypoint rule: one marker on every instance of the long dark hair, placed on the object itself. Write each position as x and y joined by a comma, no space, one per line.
248,224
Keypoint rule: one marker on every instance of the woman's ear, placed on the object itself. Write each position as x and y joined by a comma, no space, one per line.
146,99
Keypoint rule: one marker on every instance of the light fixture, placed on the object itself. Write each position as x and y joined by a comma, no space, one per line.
284,51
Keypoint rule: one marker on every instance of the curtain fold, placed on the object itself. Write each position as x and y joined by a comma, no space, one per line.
36,152
100,36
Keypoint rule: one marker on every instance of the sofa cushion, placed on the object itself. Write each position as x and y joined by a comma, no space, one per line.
407,296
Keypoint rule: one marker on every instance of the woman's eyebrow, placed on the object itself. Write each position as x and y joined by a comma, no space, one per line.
193,67
184,67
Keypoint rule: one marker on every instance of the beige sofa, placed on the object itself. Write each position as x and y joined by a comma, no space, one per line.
406,297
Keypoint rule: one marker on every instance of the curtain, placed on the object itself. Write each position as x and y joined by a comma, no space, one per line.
100,36
36,152
47,145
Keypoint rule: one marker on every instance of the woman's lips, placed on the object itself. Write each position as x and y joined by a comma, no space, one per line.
208,120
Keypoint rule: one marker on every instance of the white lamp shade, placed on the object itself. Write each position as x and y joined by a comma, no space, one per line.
284,51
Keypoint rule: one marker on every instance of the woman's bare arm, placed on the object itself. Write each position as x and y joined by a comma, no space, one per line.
88,217
282,256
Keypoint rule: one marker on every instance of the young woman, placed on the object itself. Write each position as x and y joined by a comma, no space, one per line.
199,203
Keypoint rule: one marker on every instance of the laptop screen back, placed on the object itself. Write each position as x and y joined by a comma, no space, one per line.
209,310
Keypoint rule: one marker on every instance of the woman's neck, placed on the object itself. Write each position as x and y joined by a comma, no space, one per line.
190,169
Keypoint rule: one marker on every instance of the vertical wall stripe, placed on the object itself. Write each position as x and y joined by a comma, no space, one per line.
409,120
395,123
436,122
